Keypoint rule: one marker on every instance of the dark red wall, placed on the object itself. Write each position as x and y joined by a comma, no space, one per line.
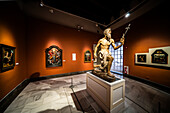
151,30
12,33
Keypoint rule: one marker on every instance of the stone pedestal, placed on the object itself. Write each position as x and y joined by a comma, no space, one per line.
109,96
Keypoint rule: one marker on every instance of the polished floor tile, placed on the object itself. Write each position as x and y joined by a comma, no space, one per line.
55,96
149,98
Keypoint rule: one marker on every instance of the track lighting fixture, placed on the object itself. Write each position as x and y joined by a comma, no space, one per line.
127,15
97,25
51,10
41,3
80,27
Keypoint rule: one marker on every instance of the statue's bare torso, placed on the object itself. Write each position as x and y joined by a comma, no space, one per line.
105,44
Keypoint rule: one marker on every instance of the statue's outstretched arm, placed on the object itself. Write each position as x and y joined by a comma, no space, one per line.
116,47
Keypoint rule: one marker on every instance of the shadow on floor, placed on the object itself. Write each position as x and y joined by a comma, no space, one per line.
66,109
87,103
143,96
49,111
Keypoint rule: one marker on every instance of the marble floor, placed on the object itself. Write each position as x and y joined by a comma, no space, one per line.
55,96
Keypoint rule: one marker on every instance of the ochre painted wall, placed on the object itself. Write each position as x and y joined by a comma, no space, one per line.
42,34
31,37
148,31
12,33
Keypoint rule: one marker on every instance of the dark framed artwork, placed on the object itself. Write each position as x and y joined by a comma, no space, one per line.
53,56
7,57
160,57
87,56
141,58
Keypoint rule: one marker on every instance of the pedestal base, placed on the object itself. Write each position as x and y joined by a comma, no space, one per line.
108,95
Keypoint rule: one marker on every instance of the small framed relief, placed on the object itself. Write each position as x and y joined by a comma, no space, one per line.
87,56
141,58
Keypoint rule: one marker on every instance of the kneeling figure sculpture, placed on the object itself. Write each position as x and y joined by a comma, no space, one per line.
103,70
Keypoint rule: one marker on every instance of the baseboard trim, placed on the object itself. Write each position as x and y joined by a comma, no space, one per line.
57,75
7,100
153,84
148,82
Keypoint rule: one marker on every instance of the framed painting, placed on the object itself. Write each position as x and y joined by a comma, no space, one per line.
156,57
141,58
7,57
53,56
160,57
87,56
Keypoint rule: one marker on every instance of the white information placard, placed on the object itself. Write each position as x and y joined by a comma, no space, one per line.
73,56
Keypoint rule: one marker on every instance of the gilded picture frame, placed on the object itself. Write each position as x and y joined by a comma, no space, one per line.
87,56
53,56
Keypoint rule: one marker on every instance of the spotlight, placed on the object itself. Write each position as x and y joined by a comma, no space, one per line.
97,25
127,15
41,4
80,27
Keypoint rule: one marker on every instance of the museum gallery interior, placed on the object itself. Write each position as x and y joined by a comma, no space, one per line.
69,56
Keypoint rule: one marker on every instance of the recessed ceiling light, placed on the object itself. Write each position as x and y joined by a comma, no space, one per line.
127,15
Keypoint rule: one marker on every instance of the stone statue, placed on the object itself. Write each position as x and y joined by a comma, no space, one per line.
105,56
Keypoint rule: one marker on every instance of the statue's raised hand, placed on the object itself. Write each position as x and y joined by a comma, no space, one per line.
122,40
